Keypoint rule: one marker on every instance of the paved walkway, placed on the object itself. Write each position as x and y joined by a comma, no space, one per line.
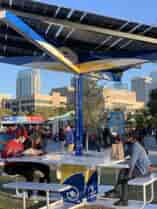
53,146
150,143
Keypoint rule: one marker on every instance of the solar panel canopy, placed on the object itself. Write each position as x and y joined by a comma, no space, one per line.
81,36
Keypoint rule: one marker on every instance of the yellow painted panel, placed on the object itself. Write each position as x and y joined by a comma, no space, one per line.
95,66
68,170
54,51
86,67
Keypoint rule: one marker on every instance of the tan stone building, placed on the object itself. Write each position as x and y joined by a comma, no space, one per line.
31,103
121,99
3,100
68,92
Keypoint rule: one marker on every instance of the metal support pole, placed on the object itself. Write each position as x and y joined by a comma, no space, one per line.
87,142
17,190
144,195
47,200
79,114
24,199
99,175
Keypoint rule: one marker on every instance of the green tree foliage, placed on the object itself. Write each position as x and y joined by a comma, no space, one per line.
20,113
49,112
5,112
93,103
153,102
140,119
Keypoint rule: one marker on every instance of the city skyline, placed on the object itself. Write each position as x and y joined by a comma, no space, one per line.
125,9
59,81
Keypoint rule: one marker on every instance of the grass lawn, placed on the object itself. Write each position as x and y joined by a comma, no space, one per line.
93,207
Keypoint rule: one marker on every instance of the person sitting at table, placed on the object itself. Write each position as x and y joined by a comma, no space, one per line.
13,147
34,139
31,171
139,165
24,134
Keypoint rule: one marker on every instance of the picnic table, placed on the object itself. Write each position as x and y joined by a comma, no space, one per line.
90,160
25,186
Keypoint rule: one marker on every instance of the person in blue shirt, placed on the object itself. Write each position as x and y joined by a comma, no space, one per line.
69,138
139,165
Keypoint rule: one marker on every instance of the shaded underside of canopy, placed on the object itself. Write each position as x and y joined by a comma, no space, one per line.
92,42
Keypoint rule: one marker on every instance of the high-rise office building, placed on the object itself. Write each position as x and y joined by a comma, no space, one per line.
153,75
142,87
28,97
28,83
154,80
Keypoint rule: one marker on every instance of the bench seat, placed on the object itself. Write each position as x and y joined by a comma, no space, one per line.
37,186
64,205
34,186
146,180
132,204
67,206
104,188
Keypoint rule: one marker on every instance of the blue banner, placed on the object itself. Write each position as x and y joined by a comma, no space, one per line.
116,122
81,190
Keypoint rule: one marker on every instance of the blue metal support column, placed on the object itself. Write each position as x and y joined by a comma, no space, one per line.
79,114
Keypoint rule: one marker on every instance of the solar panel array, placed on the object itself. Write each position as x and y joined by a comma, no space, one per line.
65,27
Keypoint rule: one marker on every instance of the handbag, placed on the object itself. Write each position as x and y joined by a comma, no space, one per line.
117,151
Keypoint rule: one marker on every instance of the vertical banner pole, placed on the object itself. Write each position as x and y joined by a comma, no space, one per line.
79,114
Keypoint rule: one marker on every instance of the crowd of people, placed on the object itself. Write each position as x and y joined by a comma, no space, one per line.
37,137
17,139
32,140
103,138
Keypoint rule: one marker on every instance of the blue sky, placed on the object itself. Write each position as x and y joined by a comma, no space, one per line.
143,11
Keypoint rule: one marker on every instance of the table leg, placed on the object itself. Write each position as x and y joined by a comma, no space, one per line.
17,190
24,199
99,175
47,200
116,174
144,195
